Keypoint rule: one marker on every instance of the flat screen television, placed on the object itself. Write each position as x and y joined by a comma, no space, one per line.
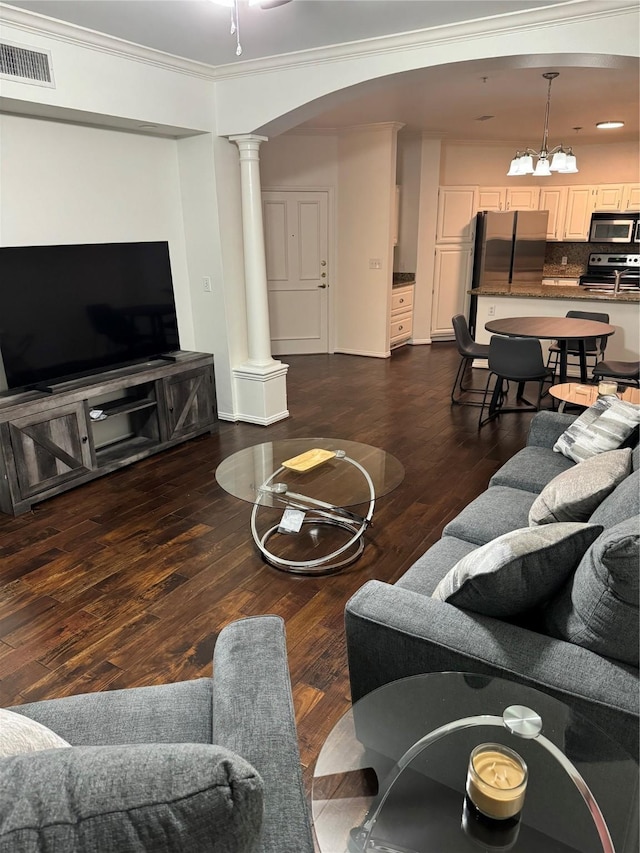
71,311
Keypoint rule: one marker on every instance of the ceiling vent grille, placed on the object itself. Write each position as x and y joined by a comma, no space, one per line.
23,64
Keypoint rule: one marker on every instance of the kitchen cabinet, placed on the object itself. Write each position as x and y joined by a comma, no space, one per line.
580,205
609,197
523,198
401,326
554,199
50,443
631,197
457,207
452,279
492,198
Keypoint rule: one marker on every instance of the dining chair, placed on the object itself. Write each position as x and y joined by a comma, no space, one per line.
594,347
513,360
468,350
626,372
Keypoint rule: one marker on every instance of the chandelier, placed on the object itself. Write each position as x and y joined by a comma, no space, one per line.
234,5
562,160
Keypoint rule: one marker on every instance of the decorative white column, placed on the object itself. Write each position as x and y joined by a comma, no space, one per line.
261,382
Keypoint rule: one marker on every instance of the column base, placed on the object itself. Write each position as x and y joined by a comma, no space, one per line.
261,393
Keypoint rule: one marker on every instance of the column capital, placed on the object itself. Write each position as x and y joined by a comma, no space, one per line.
249,145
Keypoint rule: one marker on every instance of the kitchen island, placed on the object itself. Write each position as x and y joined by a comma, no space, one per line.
554,301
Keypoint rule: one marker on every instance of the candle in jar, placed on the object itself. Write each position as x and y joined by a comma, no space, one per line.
607,389
496,780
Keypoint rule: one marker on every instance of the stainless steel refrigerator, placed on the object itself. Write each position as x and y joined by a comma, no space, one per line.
509,251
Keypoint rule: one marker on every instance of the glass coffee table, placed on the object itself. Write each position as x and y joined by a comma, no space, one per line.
313,498
391,775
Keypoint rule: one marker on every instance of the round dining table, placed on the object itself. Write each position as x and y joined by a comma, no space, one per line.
562,329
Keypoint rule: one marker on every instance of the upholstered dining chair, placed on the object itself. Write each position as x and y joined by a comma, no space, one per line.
468,350
626,372
594,347
513,360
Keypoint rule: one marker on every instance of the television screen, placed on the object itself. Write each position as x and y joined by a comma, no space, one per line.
68,311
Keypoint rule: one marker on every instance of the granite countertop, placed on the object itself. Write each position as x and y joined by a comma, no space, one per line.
401,279
556,292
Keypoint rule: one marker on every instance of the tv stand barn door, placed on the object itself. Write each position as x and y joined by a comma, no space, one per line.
49,442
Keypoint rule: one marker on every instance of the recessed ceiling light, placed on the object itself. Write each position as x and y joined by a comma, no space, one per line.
608,125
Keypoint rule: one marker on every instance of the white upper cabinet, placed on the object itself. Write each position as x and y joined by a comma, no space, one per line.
631,197
457,208
492,198
609,197
554,199
580,205
523,198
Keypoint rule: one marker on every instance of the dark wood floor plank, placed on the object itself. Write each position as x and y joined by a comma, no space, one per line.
129,579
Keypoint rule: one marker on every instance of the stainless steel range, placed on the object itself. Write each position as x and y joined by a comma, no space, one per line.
612,272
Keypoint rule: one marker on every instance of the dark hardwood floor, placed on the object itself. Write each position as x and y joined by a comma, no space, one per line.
128,580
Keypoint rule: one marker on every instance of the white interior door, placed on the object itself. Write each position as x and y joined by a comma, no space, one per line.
295,230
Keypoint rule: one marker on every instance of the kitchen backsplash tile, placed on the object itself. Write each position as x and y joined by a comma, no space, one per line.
577,255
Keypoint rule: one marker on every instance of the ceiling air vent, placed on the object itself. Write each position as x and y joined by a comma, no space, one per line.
25,65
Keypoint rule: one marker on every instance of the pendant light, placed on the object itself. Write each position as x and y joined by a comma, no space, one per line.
562,160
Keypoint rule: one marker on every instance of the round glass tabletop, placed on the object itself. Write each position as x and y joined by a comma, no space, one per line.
391,775
258,473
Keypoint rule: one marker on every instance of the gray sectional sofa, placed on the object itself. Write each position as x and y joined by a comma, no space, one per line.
399,630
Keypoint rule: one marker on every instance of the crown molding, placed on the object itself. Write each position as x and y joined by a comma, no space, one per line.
510,22
569,11
33,23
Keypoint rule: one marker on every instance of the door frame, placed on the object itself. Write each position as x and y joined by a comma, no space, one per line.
332,254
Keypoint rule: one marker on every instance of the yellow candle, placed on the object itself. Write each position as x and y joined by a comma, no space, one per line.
607,389
496,780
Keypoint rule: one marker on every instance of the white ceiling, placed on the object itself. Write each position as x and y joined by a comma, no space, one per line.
446,100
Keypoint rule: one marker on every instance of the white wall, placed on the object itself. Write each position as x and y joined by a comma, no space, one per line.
486,165
67,184
300,160
63,183
408,178
367,177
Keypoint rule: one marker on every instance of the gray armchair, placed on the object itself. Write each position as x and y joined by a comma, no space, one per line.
210,764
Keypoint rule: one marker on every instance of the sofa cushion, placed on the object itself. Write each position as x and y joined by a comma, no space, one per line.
496,511
517,571
160,797
427,571
603,426
622,503
598,607
576,493
19,734
531,469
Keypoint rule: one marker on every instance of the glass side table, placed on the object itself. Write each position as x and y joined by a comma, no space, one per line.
391,775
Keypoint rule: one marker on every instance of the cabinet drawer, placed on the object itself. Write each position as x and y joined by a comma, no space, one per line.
401,327
401,300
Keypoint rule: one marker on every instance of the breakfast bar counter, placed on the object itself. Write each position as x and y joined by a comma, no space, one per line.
555,301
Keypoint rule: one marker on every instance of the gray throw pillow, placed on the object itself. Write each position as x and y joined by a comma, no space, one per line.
576,493
195,798
598,607
20,734
518,570
603,426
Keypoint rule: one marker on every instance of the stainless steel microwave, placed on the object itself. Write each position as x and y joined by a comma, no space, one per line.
615,228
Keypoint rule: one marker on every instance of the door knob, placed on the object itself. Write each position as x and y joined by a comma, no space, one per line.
322,286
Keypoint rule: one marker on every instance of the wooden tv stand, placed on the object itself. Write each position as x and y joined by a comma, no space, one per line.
50,443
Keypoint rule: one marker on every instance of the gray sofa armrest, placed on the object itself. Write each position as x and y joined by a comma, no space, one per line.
253,715
547,427
394,633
